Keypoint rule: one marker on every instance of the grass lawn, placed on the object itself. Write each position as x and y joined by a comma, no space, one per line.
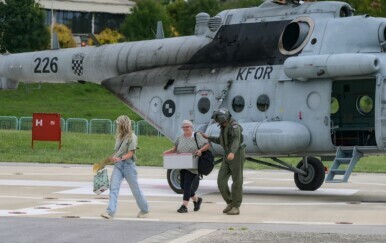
71,100
15,146
77,148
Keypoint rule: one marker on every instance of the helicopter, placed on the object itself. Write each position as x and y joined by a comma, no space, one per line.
303,79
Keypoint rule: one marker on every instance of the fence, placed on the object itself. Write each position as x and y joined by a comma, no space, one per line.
9,122
79,125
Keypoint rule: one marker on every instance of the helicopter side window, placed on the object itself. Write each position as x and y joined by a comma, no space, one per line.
238,103
334,105
203,105
365,104
263,103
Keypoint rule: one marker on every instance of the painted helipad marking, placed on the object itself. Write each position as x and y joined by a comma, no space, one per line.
295,191
298,222
49,208
193,236
160,188
124,219
104,201
124,191
368,183
271,179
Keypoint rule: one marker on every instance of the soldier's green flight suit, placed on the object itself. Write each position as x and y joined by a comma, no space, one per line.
231,140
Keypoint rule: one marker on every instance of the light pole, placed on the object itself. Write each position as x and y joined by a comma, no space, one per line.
52,24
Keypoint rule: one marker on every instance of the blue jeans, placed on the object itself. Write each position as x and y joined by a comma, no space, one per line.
125,169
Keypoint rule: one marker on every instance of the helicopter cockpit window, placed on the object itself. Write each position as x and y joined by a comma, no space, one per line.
345,11
365,104
238,103
203,105
334,105
263,103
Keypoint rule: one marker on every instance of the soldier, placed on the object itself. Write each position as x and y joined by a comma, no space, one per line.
231,140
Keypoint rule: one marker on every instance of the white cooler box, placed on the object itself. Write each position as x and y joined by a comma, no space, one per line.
180,161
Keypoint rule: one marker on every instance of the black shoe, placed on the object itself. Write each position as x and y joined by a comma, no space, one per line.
197,204
182,209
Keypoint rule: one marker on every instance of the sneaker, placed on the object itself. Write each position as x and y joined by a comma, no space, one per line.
197,204
228,208
234,211
106,215
142,214
182,209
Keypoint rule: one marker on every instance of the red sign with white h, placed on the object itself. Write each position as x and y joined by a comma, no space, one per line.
46,127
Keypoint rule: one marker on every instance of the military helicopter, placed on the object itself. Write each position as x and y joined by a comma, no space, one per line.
303,79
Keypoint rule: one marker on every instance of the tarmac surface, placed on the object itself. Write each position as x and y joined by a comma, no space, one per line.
55,203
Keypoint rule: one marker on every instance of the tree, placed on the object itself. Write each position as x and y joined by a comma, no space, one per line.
22,27
375,8
241,4
142,23
184,13
108,36
64,36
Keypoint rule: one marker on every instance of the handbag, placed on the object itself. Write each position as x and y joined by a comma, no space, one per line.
205,161
101,181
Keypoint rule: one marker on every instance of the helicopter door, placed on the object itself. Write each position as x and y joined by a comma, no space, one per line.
203,106
352,112
380,113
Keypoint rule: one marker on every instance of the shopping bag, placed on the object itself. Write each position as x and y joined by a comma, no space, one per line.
101,181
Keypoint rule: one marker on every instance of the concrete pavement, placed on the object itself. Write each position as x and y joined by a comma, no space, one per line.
57,193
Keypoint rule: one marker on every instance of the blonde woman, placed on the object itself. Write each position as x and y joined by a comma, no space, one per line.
124,167
187,144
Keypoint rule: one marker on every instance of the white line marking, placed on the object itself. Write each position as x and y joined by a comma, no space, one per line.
295,191
160,188
48,208
368,183
193,236
295,222
123,219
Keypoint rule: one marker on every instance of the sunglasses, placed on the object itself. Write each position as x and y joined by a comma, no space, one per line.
186,127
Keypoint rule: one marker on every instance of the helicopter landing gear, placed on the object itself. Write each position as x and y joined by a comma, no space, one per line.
308,176
173,176
314,176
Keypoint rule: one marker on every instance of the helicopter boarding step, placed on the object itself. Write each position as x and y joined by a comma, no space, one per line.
347,158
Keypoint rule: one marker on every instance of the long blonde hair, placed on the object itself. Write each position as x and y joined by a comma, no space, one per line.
123,128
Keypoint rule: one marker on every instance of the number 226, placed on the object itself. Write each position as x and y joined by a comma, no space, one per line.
45,65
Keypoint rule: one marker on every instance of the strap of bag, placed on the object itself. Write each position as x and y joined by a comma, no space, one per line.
120,145
200,176
195,138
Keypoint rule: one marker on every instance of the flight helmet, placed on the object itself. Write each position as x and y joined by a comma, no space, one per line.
221,115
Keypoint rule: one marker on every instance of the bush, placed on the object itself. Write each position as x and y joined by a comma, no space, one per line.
108,36
64,36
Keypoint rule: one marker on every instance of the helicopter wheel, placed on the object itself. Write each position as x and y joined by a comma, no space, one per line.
173,177
315,175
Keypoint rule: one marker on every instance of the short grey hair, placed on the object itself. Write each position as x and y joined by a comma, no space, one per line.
187,122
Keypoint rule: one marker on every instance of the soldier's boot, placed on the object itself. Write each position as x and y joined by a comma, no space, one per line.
234,211
228,208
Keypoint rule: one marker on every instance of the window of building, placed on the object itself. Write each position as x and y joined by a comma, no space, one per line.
81,22
78,22
106,20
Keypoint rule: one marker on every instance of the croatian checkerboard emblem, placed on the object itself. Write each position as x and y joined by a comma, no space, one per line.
168,108
77,63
